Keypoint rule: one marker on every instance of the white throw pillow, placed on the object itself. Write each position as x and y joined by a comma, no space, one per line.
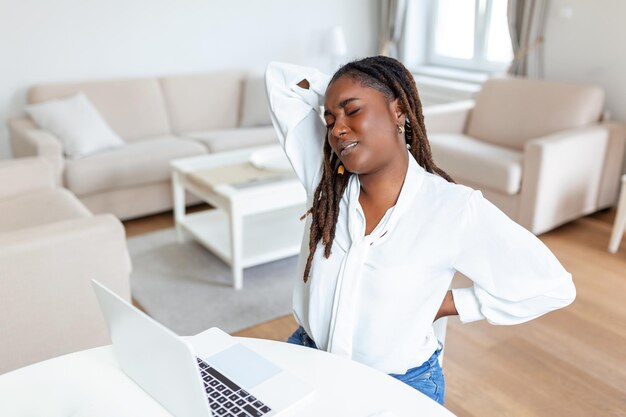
77,124
255,108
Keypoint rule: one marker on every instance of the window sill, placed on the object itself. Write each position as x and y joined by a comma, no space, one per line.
442,85
452,74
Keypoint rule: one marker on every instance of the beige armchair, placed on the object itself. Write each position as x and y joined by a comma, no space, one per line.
51,246
537,150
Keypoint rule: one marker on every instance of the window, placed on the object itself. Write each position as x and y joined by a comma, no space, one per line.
469,34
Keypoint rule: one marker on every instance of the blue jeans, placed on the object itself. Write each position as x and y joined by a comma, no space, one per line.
426,378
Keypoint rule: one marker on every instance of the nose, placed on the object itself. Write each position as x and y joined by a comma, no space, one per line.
339,129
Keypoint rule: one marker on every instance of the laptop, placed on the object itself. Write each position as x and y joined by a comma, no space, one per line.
209,374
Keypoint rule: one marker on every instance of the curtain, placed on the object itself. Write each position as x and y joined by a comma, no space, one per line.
526,25
391,27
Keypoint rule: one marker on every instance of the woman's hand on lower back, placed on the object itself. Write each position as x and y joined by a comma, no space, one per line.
447,307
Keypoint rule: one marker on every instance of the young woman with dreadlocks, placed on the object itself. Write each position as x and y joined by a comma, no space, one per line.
387,229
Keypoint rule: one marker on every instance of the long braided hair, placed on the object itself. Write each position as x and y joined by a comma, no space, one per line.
393,80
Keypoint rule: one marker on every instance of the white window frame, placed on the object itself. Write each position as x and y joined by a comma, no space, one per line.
479,61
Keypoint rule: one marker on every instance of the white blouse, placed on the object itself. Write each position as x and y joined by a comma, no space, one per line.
374,299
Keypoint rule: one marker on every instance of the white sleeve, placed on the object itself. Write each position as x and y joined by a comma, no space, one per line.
295,115
516,277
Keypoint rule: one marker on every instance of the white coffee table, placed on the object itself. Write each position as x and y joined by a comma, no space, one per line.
251,224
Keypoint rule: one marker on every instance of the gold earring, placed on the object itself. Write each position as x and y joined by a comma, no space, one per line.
340,170
400,129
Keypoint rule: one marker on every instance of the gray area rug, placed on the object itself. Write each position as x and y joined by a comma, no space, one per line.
188,289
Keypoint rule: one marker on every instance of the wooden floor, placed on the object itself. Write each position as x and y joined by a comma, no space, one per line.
570,362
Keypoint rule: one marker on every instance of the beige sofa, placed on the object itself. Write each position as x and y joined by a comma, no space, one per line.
538,150
160,119
51,246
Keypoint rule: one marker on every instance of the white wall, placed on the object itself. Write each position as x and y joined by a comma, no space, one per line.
71,40
585,44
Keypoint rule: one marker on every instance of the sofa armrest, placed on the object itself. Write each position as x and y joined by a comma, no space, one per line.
47,305
561,177
22,175
448,117
27,139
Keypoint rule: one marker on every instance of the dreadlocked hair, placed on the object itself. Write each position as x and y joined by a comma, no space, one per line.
393,80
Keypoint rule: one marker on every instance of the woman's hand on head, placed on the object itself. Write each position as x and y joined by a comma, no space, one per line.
304,84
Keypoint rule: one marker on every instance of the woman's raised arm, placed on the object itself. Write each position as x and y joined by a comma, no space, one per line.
295,96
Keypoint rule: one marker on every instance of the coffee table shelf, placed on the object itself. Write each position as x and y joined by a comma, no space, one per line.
261,242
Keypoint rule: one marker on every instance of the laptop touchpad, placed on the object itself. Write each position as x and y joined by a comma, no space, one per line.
243,366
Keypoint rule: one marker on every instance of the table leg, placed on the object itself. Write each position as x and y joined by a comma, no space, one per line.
236,248
620,221
179,205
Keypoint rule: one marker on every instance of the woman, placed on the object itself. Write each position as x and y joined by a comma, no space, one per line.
387,229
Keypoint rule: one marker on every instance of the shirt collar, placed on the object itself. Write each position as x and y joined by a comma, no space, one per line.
412,183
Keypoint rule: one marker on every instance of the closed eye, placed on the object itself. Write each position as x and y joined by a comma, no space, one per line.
349,113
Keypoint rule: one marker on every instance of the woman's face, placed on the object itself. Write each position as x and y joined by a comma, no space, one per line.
362,126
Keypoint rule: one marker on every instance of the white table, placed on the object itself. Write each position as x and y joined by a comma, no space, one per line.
90,383
251,224
620,219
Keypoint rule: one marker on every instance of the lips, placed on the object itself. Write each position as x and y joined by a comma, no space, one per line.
346,147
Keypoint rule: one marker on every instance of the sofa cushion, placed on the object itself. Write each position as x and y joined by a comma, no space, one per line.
38,208
254,105
229,139
77,124
137,163
135,109
203,101
510,111
466,158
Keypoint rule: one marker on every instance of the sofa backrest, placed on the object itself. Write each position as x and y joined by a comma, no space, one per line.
135,109
200,102
510,111
149,107
255,109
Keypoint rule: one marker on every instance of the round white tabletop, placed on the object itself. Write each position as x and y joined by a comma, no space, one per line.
91,383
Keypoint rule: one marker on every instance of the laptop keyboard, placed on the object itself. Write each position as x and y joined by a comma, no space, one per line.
226,398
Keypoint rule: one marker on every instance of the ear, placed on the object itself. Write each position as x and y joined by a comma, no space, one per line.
398,110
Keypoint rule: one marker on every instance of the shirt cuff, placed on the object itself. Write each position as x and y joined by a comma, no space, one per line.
319,83
317,86
467,304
